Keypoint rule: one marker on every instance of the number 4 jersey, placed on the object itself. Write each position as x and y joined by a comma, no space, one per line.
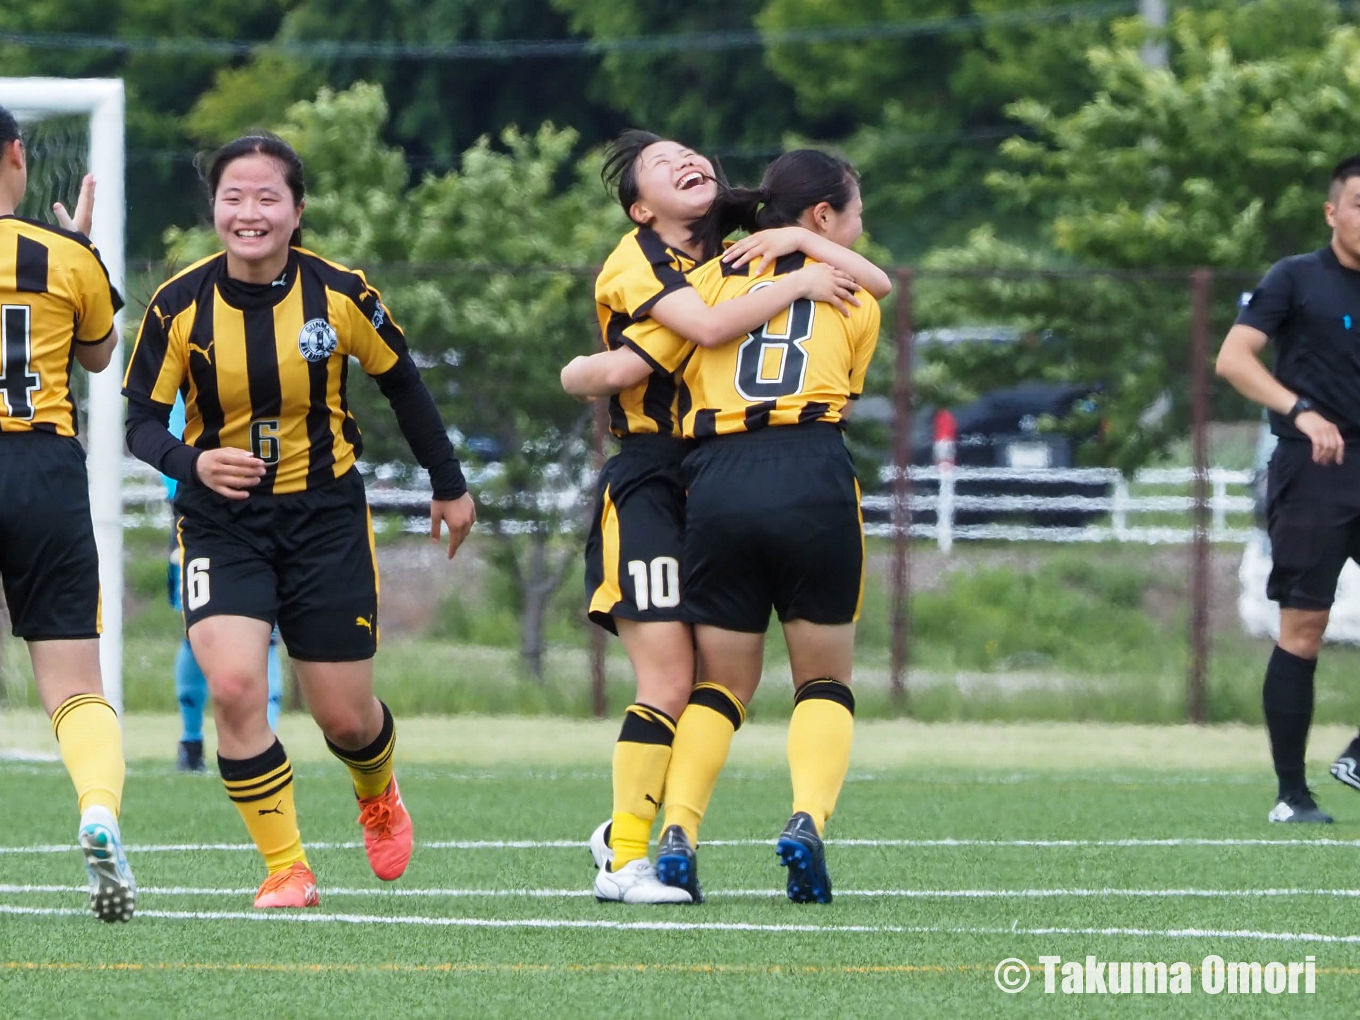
801,366
54,292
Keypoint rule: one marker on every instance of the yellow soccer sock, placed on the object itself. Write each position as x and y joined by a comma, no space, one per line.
703,737
820,733
262,790
641,755
91,742
371,767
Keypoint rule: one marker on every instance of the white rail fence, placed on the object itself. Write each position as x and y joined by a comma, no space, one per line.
1113,517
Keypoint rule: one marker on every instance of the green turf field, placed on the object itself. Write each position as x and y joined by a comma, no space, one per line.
955,847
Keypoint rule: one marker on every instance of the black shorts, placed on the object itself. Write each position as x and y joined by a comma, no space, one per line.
773,521
634,546
304,561
1313,518
48,562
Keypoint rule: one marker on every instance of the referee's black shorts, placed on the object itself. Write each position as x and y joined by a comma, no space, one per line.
773,521
48,563
1313,518
634,546
304,560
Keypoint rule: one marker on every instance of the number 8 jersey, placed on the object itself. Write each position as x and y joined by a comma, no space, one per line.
800,367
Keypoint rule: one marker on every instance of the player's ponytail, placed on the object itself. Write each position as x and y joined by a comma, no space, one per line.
733,209
264,143
799,180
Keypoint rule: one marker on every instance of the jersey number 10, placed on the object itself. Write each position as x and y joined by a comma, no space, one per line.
18,383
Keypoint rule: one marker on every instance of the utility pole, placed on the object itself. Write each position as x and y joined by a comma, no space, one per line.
1154,50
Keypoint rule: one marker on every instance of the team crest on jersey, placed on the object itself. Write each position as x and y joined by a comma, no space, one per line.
379,315
317,341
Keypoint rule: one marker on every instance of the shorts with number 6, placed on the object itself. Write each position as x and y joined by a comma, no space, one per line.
773,522
304,560
48,562
633,549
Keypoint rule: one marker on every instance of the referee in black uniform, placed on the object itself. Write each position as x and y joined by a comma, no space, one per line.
1308,306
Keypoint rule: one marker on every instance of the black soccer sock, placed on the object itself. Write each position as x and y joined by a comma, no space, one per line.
1287,698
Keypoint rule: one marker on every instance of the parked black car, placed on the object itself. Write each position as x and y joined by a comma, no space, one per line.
1002,429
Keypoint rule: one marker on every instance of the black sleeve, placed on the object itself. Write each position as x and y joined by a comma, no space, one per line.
150,439
424,430
1267,307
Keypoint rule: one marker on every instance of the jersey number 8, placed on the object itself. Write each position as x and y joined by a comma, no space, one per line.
771,365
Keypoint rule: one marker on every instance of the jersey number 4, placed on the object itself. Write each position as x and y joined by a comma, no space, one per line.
774,364
18,382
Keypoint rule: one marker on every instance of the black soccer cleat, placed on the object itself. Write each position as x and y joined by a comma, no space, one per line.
801,850
1299,806
1346,769
677,864
190,758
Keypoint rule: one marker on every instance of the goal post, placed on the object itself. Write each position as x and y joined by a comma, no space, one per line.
100,101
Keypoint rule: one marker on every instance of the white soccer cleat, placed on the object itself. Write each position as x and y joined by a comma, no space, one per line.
636,882
1345,770
113,891
600,849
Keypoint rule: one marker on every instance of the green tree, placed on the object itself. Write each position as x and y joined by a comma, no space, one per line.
471,265
1220,160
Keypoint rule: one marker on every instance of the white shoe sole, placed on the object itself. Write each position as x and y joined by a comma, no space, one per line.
113,893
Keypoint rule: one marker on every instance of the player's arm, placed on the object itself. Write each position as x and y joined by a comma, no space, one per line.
95,357
866,342
383,354
768,245
683,311
605,373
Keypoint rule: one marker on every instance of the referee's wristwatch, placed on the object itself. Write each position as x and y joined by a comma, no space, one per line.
1300,405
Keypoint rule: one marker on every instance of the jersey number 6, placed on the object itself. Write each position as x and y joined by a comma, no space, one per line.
264,439
771,365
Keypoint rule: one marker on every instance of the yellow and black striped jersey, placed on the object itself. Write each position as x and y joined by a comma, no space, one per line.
264,367
54,293
641,270
801,366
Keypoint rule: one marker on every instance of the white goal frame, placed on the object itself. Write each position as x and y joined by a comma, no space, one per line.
101,99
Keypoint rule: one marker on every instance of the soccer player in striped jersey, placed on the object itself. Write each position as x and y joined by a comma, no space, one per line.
633,581
772,515
272,520
57,307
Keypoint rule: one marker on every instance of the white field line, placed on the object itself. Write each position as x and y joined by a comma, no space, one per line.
578,893
311,917
572,844
23,763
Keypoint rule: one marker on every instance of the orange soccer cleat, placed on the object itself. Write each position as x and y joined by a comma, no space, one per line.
388,833
295,886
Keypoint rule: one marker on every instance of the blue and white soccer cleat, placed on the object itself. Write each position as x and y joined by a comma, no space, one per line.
113,891
801,850
677,864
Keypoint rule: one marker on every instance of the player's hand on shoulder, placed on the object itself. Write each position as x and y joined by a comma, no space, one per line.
458,514
1328,446
822,282
83,219
229,472
765,245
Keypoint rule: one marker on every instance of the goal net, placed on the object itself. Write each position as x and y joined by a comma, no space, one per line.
73,126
